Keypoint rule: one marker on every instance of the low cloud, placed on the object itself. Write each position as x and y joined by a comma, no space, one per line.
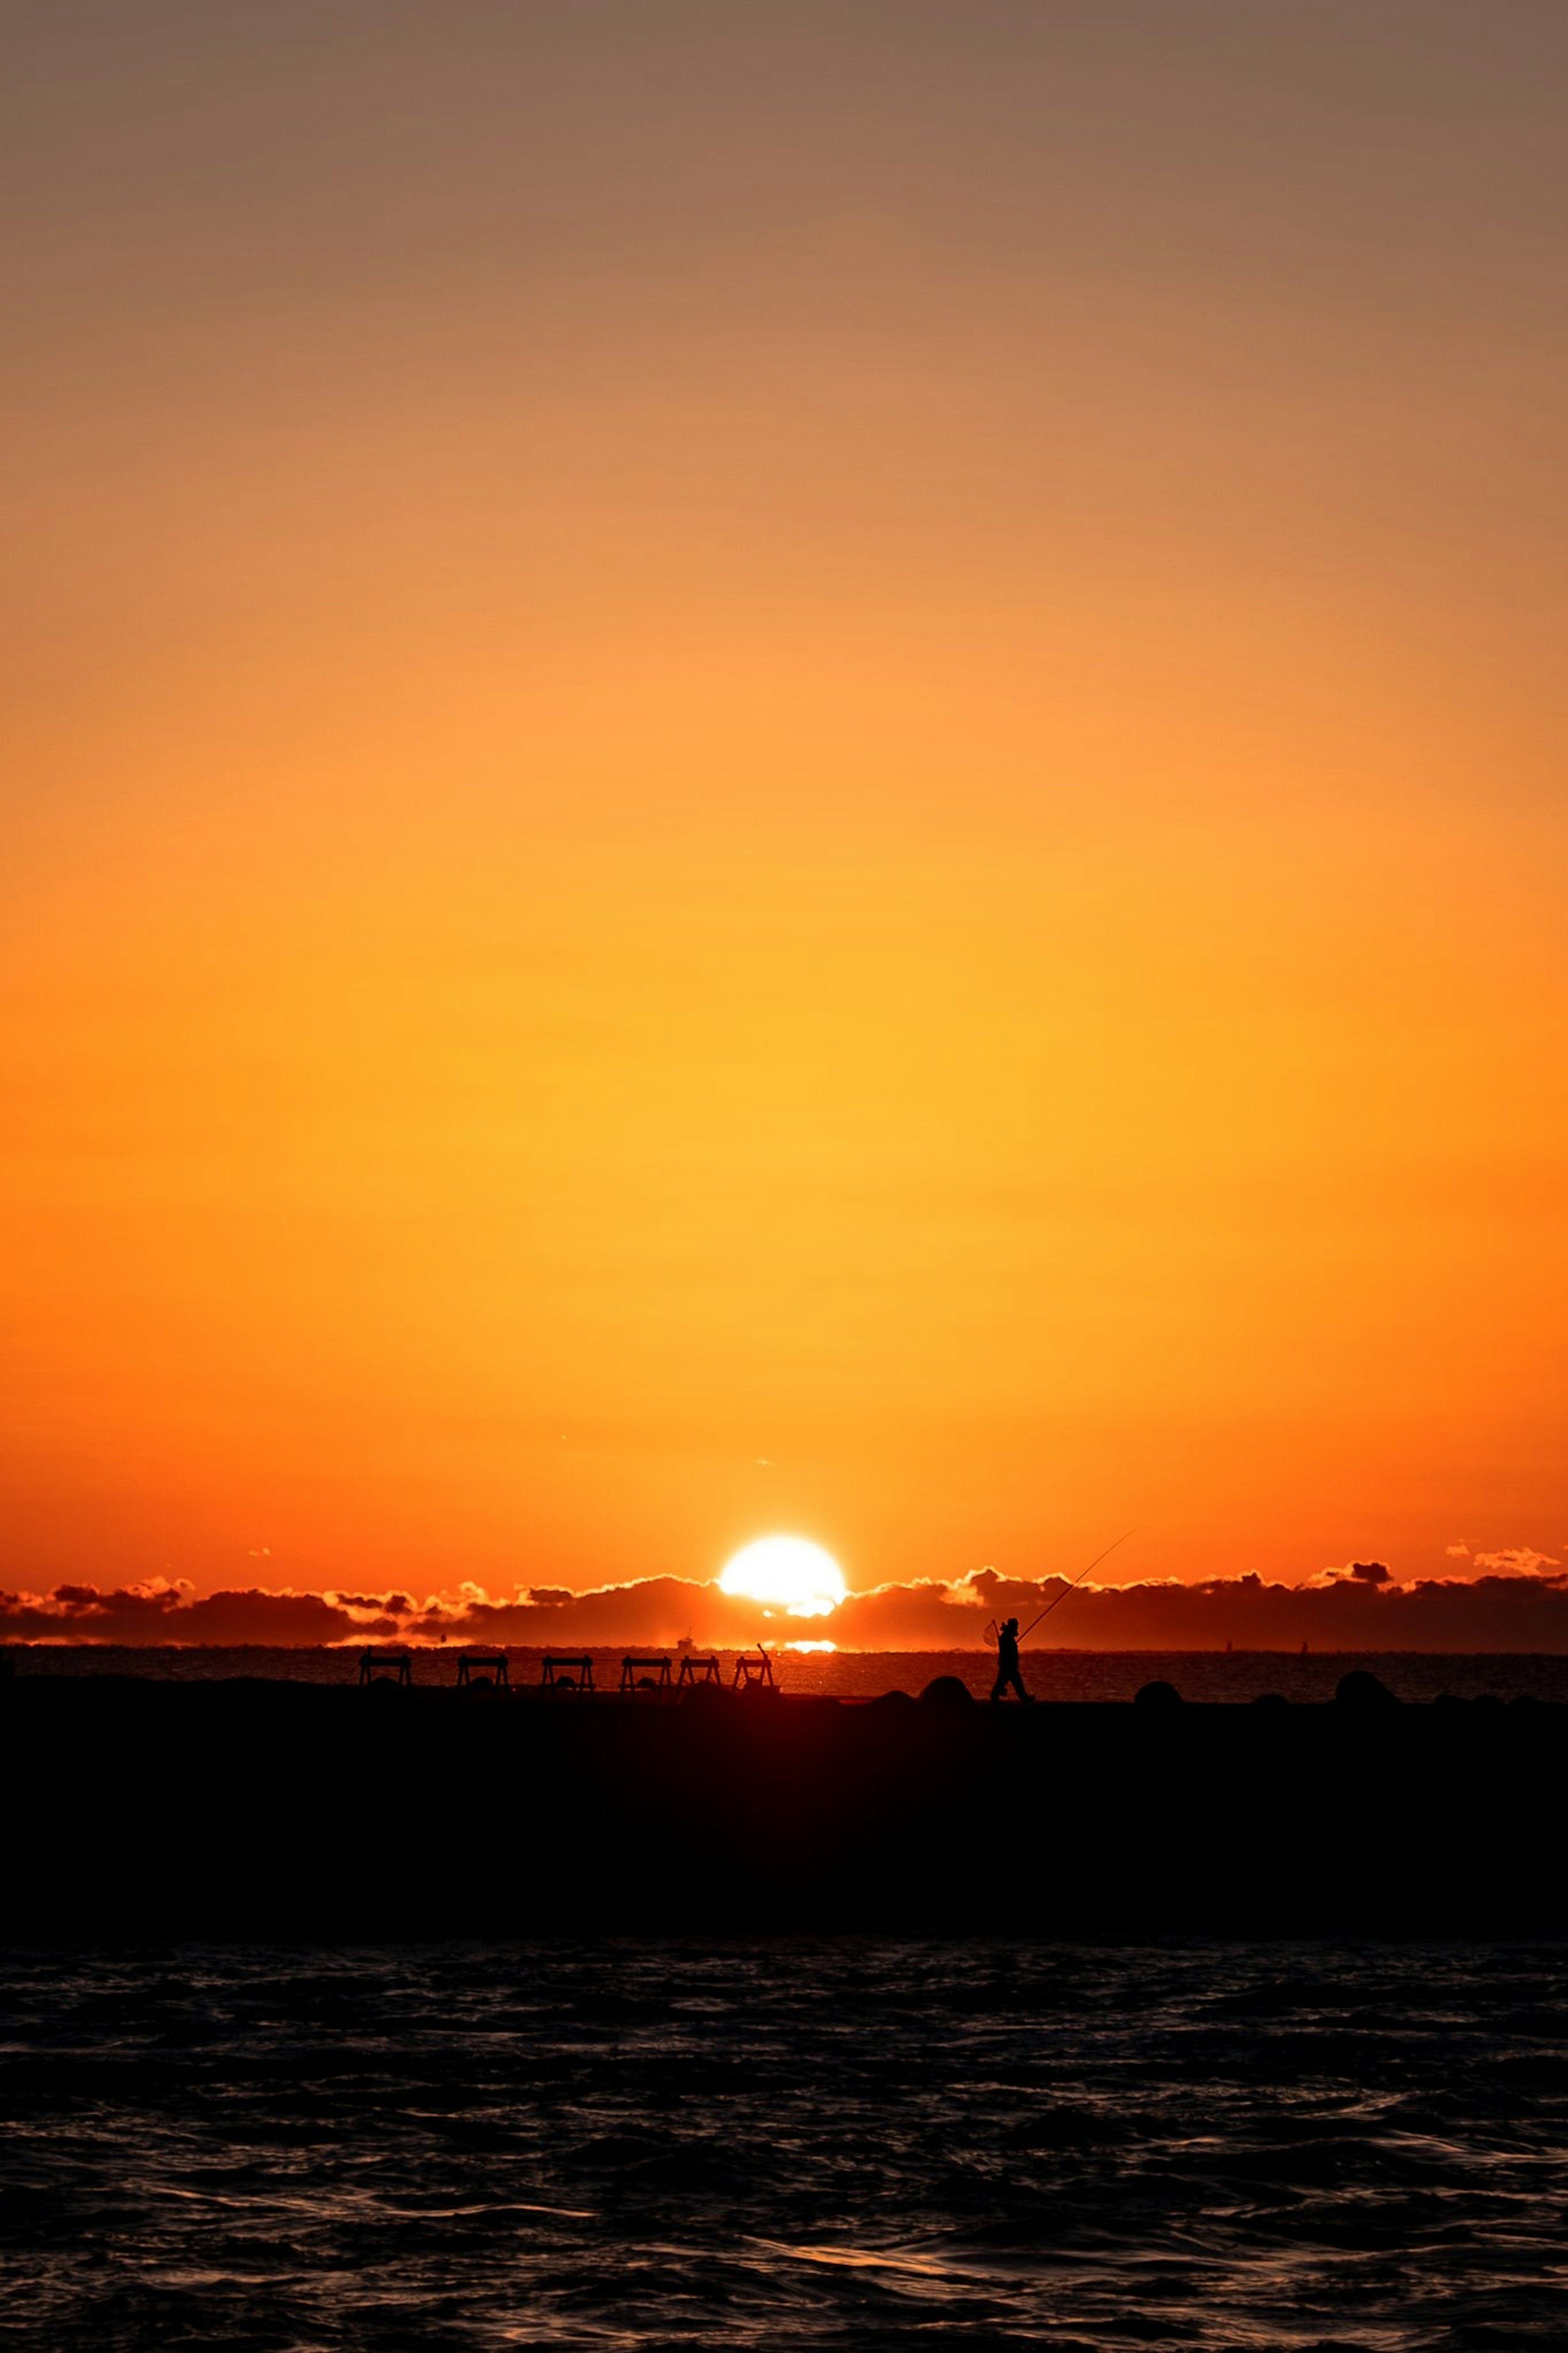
161,1611
1518,1601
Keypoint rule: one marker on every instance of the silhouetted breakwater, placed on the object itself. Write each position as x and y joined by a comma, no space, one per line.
149,1809
1051,1674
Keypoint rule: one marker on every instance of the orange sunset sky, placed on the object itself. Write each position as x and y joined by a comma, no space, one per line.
789,767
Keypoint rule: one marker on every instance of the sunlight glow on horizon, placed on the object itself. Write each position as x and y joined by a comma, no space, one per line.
789,1572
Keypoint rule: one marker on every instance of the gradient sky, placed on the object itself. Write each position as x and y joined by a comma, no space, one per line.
780,767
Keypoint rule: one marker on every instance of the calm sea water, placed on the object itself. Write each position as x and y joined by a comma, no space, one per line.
860,1674
801,2144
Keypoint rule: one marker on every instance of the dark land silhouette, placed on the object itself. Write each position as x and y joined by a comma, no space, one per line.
144,1809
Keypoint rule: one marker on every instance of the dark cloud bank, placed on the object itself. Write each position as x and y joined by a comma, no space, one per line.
1361,1608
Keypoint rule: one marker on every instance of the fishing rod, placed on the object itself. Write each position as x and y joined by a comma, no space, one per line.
1076,1580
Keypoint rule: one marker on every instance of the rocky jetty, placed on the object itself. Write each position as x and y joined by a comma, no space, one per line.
144,1810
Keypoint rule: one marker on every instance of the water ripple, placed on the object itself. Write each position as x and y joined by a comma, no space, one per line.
638,2144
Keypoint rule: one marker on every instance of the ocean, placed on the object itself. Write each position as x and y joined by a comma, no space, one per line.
808,2142
793,2144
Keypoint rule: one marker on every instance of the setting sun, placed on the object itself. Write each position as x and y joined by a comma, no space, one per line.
787,1573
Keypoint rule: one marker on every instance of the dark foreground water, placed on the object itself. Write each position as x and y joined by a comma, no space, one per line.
857,2144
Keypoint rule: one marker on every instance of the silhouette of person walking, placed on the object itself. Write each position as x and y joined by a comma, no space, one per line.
1007,1668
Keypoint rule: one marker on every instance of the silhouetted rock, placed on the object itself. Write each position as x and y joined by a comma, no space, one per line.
1272,1703
1158,1694
895,1702
1361,1694
1487,1704
947,1691
1450,1702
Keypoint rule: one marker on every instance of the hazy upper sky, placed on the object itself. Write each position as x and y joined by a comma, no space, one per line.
780,767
